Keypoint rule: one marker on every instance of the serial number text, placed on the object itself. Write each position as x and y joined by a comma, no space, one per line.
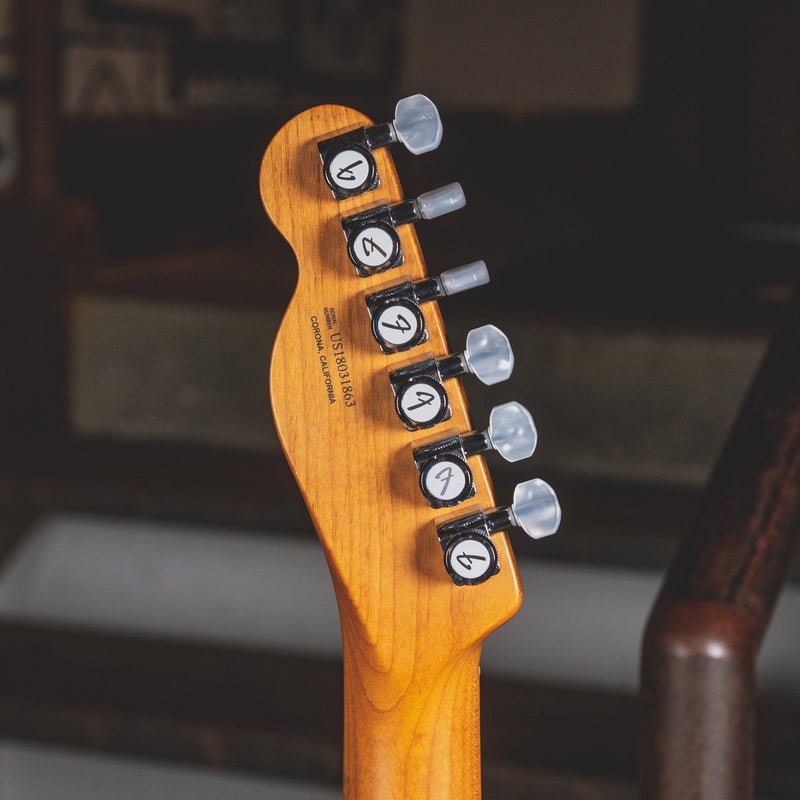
341,370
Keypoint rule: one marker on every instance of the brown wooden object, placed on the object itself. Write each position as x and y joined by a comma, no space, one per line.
412,638
708,622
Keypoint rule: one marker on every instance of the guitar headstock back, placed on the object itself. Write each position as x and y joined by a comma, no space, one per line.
334,408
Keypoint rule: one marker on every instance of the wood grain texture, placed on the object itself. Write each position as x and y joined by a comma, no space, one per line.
740,546
703,635
411,638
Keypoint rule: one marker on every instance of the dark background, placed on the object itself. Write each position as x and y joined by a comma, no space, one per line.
631,171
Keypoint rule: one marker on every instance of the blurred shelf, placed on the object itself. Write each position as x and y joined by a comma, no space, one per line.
611,522
600,281
279,714
282,715
171,482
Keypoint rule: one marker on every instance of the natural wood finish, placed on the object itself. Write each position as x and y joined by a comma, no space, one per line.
411,637
703,635
698,703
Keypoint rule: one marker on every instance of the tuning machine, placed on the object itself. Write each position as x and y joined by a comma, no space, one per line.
470,556
445,477
347,161
372,241
420,398
397,321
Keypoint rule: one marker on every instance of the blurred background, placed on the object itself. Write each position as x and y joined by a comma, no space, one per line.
166,617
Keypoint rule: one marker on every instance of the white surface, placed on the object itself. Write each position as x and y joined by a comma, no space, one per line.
175,581
577,624
42,773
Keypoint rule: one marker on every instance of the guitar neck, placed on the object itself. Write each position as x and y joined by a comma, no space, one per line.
415,740
374,424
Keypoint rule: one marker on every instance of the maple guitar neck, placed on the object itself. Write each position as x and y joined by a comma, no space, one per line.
411,636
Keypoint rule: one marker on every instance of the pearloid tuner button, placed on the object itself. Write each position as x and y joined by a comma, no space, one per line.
441,201
535,508
488,355
453,281
512,431
417,124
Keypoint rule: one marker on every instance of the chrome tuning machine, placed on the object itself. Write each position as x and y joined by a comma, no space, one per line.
420,398
445,477
347,161
373,244
397,321
470,556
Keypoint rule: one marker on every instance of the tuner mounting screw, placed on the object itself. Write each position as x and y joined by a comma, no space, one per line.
417,124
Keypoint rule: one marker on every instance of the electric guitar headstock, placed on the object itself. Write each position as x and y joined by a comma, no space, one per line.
370,411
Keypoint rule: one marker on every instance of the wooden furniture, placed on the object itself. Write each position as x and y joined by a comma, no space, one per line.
698,661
